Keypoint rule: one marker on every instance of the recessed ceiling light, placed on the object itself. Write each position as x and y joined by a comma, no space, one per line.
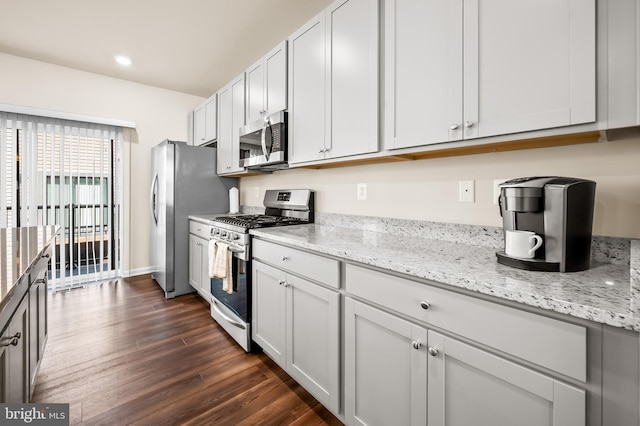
123,60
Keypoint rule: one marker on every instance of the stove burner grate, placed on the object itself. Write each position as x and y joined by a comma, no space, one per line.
259,221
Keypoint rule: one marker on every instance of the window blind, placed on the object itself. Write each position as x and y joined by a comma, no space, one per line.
65,173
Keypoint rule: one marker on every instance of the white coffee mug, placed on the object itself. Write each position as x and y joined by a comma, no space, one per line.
522,243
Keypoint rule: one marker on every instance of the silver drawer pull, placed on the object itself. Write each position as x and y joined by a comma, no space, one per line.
284,258
433,351
416,344
425,305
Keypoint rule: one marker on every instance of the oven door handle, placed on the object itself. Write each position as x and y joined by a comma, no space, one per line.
231,248
226,318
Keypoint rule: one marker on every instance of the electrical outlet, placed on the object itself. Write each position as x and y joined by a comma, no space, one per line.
496,189
466,190
362,191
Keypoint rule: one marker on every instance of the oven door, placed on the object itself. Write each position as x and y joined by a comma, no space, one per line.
233,310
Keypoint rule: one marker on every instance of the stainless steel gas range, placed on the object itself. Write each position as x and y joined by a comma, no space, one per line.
231,296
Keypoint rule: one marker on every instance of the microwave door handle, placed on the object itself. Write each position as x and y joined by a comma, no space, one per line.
263,139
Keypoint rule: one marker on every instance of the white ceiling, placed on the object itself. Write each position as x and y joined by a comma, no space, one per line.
190,46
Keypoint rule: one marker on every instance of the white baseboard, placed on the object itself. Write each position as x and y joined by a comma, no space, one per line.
139,271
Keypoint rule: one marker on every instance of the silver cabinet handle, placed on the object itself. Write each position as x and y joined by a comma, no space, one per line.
321,150
281,282
453,127
13,340
425,305
284,258
433,351
468,124
416,344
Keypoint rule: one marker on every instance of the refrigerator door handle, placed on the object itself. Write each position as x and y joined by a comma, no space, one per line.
154,188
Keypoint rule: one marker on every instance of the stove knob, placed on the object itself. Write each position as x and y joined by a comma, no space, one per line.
223,234
235,237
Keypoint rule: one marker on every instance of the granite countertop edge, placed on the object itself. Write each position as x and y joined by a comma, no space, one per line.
437,263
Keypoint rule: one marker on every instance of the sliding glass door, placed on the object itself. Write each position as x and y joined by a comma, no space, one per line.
64,173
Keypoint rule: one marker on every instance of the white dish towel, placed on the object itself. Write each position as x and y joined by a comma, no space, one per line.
221,264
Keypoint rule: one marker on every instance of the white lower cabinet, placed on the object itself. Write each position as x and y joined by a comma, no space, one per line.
385,375
399,373
468,386
297,323
14,357
199,259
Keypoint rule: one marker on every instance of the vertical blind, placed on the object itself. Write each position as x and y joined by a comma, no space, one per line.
66,173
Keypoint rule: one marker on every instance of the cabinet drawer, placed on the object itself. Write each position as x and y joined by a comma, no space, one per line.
318,268
199,229
551,343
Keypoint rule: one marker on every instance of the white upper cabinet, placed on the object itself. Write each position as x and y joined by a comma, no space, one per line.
211,118
333,83
199,124
203,122
190,128
307,91
231,110
517,66
267,84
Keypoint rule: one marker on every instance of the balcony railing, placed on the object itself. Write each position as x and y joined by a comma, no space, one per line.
85,236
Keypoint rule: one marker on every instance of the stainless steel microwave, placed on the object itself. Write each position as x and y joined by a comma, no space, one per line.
263,143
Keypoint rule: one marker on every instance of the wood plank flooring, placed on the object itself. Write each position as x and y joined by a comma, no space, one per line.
120,354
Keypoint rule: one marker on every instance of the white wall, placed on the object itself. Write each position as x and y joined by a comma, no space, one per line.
428,189
159,114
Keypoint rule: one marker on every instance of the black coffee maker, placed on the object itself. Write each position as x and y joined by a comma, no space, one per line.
560,210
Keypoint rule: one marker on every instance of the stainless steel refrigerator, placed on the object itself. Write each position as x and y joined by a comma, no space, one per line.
183,182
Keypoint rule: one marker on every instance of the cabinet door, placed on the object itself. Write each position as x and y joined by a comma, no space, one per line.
423,72
275,79
307,92
43,317
255,91
385,375
211,119
351,115
230,118
224,130
195,262
190,128
528,65
268,311
16,374
470,386
205,280
237,120
313,339
34,355
199,124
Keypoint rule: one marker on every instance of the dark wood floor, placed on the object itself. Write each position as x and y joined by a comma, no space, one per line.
119,353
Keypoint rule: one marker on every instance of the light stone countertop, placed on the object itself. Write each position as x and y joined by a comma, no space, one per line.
608,293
